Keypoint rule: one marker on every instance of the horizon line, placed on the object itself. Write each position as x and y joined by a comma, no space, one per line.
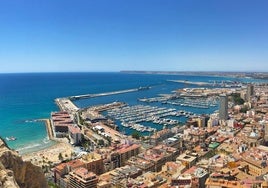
133,71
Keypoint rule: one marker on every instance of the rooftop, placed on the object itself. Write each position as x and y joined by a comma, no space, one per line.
222,183
74,129
91,157
125,148
139,162
84,173
160,133
185,157
256,156
73,164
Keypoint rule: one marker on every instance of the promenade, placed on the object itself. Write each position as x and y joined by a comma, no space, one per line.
66,104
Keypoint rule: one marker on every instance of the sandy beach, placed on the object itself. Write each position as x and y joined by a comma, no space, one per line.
50,155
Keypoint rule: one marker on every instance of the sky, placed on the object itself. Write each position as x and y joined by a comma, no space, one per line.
114,35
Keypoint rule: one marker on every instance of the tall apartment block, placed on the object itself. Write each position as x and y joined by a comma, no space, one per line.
223,112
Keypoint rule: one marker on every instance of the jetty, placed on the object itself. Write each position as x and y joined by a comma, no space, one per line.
191,83
66,103
49,129
76,97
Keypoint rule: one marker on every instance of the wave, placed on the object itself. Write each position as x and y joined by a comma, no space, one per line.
32,120
27,121
45,143
46,140
28,147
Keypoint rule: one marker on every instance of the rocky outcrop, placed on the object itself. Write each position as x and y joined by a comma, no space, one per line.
14,172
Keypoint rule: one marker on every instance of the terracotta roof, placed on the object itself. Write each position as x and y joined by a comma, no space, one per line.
74,130
84,173
73,164
127,148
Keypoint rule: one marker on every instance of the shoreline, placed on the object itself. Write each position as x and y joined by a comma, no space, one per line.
44,144
50,155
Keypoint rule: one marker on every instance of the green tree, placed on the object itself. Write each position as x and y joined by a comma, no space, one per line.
244,109
101,142
60,157
136,135
52,185
237,99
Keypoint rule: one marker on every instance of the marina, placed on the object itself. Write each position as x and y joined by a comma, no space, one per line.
145,119
99,85
168,110
185,101
195,102
135,116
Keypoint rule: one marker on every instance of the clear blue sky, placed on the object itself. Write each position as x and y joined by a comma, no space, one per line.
114,35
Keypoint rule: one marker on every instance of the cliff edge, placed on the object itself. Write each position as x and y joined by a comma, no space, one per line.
14,172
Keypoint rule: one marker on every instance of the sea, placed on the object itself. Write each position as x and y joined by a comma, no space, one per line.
26,98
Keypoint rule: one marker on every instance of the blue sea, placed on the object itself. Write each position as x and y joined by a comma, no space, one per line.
27,97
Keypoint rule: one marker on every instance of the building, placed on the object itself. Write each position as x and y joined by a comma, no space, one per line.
250,91
213,121
142,164
111,161
119,177
222,183
75,135
187,160
223,112
93,162
61,170
265,131
60,122
193,177
243,95
198,121
82,178
175,142
127,151
254,161
160,136
182,181
159,155
93,116
149,179
171,168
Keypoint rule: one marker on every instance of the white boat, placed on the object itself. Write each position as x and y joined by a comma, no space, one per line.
11,138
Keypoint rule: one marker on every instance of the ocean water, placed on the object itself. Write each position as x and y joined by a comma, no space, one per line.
27,97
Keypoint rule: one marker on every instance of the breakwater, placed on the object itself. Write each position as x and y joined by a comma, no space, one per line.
77,97
66,103
191,82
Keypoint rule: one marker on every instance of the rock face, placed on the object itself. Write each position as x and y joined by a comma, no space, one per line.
14,172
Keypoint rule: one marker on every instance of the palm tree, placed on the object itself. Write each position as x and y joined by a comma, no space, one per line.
60,157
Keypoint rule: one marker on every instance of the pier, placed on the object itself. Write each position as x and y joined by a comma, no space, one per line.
66,104
191,83
77,97
49,128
